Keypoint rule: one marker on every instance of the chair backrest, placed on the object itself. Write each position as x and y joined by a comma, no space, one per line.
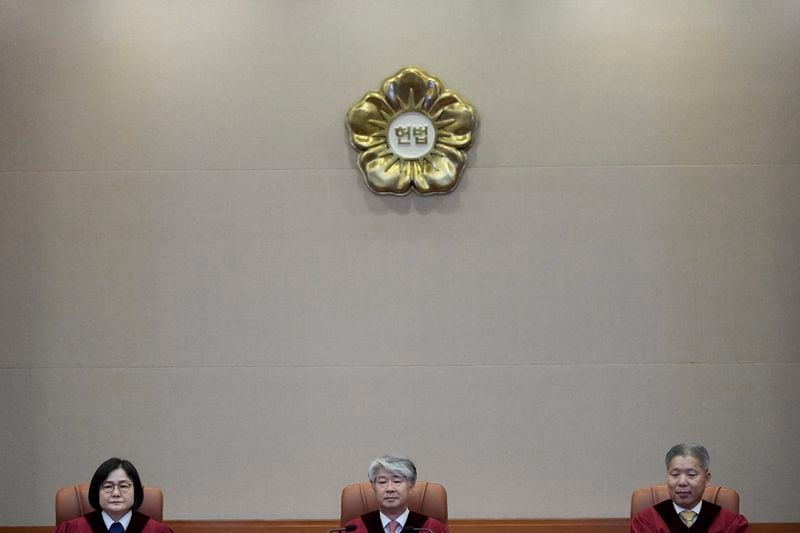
646,497
426,498
73,501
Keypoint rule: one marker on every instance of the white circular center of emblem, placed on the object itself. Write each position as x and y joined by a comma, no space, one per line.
411,135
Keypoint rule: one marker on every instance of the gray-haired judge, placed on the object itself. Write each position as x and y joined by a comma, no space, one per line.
687,476
392,478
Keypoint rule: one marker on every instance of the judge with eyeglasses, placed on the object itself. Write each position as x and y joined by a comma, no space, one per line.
115,493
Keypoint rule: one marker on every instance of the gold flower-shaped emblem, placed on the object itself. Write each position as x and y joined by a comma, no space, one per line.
414,134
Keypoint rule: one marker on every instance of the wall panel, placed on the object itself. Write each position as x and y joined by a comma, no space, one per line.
194,276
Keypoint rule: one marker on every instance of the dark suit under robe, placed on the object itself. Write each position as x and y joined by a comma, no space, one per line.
93,523
371,523
662,518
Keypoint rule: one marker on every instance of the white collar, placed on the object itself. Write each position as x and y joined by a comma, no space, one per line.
401,520
124,520
696,508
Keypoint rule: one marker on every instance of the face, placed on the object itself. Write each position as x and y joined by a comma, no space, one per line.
392,491
686,481
119,500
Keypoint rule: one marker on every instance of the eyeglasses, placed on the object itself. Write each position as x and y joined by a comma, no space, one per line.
123,486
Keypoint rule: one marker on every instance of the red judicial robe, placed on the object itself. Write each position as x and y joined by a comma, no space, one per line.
662,518
371,523
93,523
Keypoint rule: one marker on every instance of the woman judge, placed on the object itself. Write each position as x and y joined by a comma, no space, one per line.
115,493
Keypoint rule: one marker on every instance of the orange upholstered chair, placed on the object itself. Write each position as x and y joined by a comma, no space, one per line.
72,502
427,498
646,497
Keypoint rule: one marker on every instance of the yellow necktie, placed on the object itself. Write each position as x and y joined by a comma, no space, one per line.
688,517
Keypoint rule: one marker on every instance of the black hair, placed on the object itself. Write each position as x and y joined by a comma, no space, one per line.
102,473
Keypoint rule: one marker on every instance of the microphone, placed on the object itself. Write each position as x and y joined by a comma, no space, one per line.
348,528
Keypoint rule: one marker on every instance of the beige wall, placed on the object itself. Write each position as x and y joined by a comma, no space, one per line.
194,277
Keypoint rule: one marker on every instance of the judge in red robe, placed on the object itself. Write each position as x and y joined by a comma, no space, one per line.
392,478
687,476
663,518
115,493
